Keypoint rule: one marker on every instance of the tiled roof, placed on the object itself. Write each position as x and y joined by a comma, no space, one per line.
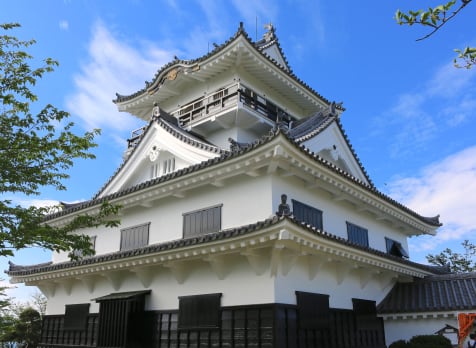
439,293
272,40
188,63
17,270
310,127
165,122
239,151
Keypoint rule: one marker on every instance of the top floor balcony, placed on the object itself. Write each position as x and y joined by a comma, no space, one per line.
235,104
229,99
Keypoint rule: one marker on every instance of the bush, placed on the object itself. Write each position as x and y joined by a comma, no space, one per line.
423,341
399,344
430,341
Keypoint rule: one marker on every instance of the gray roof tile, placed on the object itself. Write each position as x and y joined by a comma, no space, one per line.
439,293
18,270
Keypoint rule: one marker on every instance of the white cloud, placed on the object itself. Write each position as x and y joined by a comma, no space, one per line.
264,11
449,82
447,99
112,66
64,25
447,187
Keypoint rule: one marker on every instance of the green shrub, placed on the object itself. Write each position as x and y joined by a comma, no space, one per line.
429,341
399,344
423,341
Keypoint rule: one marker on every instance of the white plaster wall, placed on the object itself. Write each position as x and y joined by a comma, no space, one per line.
404,329
336,213
327,139
243,202
240,286
327,281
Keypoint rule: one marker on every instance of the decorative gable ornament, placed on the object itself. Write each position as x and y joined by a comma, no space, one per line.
154,153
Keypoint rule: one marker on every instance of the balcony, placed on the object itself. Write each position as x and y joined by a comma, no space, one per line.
224,102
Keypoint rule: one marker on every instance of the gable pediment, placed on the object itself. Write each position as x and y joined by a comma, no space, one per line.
330,144
163,149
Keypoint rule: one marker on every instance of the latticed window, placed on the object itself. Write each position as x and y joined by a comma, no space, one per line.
306,213
76,316
199,311
202,221
135,237
357,234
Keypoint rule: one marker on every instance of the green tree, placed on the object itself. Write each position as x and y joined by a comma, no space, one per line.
36,150
435,18
458,263
6,317
26,329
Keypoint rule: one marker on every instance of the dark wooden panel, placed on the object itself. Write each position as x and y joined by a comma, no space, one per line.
307,214
199,311
76,316
264,326
357,234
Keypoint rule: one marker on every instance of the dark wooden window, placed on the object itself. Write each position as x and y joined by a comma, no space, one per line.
395,248
313,310
365,313
135,237
307,214
202,221
76,316
199,311
357,234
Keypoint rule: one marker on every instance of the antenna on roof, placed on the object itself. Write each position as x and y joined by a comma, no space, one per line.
256,29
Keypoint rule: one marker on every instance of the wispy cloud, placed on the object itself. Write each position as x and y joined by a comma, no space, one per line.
447,187
112,66
419,116
64,25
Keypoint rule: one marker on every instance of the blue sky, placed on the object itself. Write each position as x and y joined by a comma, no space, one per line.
410,115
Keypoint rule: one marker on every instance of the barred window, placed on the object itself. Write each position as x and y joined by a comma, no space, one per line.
357,234
306,213
202,221
135,237
199,311
76,316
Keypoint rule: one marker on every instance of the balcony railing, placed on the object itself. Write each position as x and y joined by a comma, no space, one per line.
218,102
228,98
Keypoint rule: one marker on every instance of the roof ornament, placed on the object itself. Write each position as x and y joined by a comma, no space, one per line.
155,111
283,208
269,35
236,146
283,122
154,153
333,106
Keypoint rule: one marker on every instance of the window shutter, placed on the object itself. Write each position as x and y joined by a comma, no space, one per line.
135,237
313,310
199,311
365,313
357,234
76,316
202,221
305,213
